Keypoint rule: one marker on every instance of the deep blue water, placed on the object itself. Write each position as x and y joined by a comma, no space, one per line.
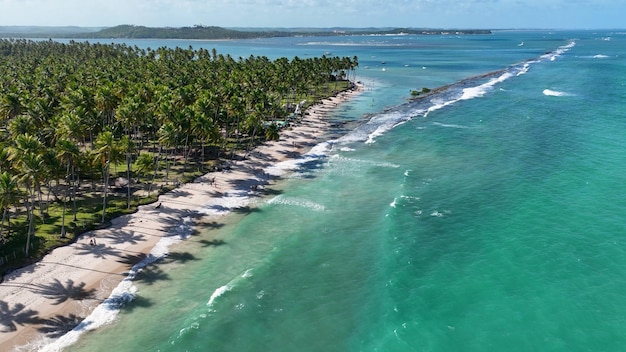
487,217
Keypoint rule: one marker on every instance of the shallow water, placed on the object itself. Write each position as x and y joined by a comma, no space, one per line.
489,217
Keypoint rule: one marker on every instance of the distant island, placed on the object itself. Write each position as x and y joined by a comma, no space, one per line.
210,32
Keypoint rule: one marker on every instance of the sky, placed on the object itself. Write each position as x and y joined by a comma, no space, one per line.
448,14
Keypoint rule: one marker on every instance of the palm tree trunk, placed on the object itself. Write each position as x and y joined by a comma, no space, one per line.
156,169
5,212
74,185
128,180
31,215
65,203
105,191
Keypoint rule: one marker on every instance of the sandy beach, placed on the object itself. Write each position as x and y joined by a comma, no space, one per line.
43,301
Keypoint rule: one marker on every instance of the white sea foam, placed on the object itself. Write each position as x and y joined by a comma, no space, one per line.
554,93
558,52
345,160
298,202
525,68
379,131
471,92
227,203
318,151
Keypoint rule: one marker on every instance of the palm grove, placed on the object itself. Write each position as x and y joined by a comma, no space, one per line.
75,117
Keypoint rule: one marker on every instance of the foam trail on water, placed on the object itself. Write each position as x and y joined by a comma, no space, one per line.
450,125
299,202
338,158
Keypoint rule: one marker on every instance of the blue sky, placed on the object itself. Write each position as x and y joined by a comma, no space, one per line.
566,14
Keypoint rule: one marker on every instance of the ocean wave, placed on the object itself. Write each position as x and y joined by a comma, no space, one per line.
553,55
554,93
378,124
218,293
193,323
318,152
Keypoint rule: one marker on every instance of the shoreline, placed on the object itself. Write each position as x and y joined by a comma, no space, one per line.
43,301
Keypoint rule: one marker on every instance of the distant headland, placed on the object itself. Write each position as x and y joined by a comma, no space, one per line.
210,32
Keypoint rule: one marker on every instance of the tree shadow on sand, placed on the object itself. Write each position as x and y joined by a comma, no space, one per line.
61,293
182,257
18,315
151,274
137,302
121,237
212,243
246,210
98,250
211,225
131,259
59,325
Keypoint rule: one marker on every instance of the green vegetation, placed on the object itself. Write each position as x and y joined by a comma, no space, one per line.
203,32
90,131
415,93
197,32
211,32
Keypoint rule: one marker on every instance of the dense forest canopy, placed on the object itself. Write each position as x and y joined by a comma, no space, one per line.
78,113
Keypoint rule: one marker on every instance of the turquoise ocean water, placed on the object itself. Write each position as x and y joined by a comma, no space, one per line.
487,217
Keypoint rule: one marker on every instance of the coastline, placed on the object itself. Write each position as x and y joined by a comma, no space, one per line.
43,301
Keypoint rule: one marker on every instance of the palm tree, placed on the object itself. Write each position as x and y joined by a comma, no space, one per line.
22,124
145,164
11,104
9,196
67,152
107,152
203,126
127,147
30,176
168,137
